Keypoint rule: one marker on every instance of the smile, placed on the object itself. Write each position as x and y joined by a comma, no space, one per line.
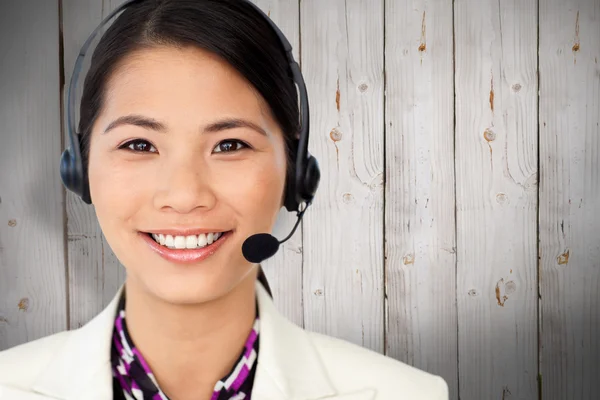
186,242
185,249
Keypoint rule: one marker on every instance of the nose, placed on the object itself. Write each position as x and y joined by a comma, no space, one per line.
185,185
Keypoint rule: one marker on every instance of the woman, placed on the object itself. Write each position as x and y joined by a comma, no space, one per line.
189,137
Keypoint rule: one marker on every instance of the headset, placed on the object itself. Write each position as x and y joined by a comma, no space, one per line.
300,187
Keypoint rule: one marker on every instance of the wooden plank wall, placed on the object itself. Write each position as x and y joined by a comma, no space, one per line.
420,246
430,239
342,62
570,198
496,197
33,291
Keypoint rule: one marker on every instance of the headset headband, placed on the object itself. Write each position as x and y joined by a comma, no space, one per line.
306,175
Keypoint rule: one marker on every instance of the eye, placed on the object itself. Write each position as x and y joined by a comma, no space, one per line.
139,146
229,146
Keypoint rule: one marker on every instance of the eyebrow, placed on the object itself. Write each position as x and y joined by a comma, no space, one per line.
154,125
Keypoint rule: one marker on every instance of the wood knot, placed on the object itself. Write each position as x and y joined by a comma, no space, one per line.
319,292
363,87
563,259
473,293
408,259
12,223
510,287
335,135
500,293
24,304
516,87
489,135
501,198
348,198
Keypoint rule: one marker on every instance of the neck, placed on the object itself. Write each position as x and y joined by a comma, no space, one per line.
181,341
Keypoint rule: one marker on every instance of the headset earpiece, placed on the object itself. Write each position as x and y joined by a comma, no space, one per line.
302,185
72,173
312,176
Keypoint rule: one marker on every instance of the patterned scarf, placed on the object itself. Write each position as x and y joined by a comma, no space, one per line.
133,378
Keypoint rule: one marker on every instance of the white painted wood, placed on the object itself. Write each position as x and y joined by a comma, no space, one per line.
284,270
342,61
496,198
94,271
475,323
32,249
419,197
570,198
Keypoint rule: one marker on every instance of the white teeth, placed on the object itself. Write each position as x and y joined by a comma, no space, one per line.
179,242
186,242
191,242
202,240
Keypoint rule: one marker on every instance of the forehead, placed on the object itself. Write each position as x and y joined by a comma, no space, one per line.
180,81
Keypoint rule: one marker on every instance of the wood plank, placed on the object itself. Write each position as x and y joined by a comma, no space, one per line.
32,248
496,197
569,193
419,197
95,274
342,61
284,270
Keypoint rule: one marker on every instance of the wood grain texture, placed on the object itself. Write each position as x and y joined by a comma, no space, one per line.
32,249
419,197
95,274
462,294
342,61
570,198
496,197
284,270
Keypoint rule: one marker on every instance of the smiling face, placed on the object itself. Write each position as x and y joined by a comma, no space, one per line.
184,145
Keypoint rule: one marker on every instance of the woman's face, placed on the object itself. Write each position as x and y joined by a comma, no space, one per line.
208,158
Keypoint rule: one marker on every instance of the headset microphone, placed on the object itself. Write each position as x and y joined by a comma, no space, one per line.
261,246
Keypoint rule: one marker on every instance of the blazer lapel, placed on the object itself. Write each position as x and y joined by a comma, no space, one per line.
289,366
83,370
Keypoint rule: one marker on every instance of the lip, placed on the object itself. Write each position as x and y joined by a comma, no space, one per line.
185,256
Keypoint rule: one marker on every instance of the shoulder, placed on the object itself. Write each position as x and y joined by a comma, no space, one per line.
21,365
352,365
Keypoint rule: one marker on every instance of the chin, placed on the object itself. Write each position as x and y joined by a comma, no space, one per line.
202,286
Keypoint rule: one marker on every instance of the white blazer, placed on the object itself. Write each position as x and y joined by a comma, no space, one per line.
293,364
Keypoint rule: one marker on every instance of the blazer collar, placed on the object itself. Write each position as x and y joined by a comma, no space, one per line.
289,366
82,369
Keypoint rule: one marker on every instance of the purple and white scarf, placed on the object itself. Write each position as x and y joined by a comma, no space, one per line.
133,379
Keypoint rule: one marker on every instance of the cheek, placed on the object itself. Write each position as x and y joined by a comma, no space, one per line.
116,190
256,190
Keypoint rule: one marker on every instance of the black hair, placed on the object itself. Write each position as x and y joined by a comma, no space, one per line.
231,29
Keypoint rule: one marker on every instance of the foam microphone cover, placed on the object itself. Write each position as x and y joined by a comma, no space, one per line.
259,247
